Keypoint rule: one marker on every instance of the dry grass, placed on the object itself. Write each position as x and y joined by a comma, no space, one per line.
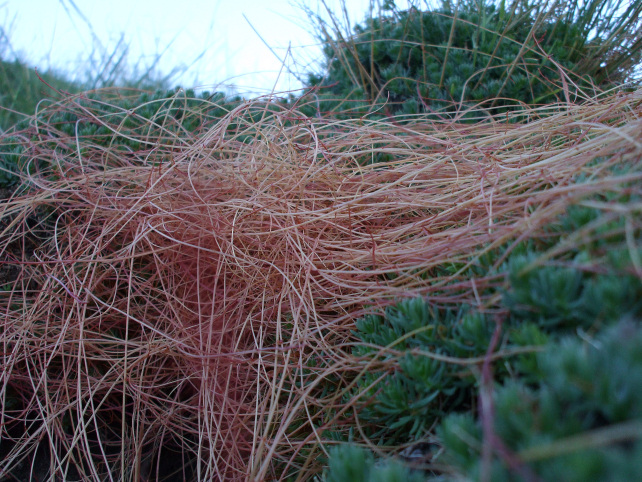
199,294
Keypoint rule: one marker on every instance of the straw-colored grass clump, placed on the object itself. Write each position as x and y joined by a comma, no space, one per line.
197,295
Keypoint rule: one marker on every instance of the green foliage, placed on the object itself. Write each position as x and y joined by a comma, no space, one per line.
122,120
568,297
22,88
590,290
164,112
417,376
408,62
422,388
25,90
543,301
12,162
582,421
349,463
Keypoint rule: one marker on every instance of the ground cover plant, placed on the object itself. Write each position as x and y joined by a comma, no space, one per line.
555,400
22,88
436,57
196,292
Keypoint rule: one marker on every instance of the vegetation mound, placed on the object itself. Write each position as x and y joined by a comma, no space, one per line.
195,292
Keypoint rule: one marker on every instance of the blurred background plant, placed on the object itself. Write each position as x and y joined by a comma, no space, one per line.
20,87
23,87
564,305
563,401
476,51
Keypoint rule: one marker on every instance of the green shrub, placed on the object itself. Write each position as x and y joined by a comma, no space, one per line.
511,52
558,387
568,297
122,119
22,88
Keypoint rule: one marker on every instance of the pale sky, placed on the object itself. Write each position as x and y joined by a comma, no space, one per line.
214,39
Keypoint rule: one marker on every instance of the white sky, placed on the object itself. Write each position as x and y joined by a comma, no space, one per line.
211,37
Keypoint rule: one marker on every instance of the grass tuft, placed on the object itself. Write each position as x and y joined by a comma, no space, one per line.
195,291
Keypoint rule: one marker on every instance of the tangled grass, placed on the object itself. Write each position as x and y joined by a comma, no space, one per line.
194,298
